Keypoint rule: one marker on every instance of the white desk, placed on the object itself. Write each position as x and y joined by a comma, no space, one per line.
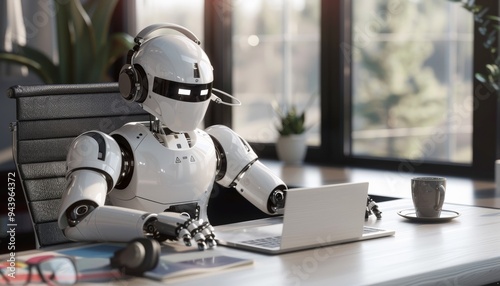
464,251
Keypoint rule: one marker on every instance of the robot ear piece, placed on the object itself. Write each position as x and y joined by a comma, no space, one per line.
142,78
133,83
138,256
126,82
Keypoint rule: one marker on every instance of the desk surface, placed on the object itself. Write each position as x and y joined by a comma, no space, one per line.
387,183
464,251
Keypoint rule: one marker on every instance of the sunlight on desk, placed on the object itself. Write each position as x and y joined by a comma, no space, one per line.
386,183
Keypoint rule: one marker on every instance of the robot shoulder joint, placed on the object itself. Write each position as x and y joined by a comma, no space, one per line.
95,150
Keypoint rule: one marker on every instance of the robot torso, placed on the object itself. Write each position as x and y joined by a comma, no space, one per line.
165,170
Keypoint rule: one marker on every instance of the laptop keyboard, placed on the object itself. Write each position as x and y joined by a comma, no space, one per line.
275,241
368,229
268,242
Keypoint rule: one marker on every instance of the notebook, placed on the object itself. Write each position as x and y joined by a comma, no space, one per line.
313,217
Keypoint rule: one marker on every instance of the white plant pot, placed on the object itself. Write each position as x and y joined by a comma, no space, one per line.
292,149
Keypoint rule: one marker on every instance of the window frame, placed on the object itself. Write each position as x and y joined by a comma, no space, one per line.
485,121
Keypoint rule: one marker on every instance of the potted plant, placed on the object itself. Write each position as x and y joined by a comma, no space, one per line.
291,145
86,48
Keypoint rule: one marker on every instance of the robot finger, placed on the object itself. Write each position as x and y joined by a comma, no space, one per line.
209,233
186,236
207,230
201,245
200,239
193,228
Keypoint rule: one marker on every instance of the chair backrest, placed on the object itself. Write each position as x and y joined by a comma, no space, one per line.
48,118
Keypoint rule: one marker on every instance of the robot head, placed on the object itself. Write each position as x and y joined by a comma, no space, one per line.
170,76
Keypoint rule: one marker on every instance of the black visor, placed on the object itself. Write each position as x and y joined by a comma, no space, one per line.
182,91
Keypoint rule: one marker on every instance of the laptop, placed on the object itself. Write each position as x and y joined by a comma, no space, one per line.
313,217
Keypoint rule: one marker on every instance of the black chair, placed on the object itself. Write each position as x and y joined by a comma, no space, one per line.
48,118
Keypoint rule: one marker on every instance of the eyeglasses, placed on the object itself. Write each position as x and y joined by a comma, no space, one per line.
52,270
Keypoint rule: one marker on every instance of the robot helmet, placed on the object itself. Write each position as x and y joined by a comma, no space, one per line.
170,76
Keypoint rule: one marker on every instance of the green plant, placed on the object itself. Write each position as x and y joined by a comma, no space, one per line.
488,27
291,120
86,50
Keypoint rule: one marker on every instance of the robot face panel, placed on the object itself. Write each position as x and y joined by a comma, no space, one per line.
178,116
182,91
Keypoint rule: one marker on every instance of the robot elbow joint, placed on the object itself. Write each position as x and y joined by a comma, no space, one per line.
78,211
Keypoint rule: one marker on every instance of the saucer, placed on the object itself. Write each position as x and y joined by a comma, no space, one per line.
446,215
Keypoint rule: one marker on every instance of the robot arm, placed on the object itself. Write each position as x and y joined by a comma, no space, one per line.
238,167
95,166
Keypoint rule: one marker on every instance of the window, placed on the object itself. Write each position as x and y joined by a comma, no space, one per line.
275,58
267,50
187,13
411,80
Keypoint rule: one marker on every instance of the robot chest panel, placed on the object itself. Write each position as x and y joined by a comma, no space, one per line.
165,176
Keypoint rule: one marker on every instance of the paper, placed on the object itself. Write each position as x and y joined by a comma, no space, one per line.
167,269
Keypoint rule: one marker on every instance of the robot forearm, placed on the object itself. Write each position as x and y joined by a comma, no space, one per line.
262,188
239,167
109,223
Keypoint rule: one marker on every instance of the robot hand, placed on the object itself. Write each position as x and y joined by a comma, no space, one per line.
372,208
176,226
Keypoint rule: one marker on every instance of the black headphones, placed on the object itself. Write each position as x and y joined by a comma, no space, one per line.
133,81
138,256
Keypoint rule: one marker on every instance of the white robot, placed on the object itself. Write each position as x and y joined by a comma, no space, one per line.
153,179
